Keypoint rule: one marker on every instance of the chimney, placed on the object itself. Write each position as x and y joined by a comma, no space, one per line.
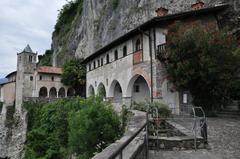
162,12
198,5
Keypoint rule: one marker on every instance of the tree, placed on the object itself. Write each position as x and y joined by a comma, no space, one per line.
93,128
74,74
70,127
204,61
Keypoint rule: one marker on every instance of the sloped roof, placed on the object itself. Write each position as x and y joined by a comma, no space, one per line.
3,81
10,74
153,22
49,70
27,49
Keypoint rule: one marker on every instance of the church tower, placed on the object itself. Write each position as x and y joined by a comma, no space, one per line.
26,67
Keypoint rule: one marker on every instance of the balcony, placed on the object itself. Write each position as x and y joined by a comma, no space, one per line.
137,57
162,53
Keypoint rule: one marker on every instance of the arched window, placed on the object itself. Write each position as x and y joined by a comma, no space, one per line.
43,92
138,45
89,67
94,64
124,51
53,92
30,58
70,92
115,55
107,59
61,93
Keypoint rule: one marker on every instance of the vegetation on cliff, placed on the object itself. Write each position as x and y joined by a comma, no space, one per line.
204,61
78,127
66,22
45,59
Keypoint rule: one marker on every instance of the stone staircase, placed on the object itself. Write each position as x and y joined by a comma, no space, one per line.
230,111
228,114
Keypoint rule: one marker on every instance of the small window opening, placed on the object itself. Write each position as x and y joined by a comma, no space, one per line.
116,55
124,51
137,88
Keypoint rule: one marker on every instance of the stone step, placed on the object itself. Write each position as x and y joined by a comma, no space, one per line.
229,114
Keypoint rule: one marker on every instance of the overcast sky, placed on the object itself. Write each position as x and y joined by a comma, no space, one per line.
25,22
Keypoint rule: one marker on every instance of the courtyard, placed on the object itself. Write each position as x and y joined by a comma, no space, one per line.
223,138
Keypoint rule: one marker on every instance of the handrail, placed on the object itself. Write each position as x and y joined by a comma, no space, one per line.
126,143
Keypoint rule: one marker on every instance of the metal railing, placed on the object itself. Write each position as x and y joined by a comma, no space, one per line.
162,53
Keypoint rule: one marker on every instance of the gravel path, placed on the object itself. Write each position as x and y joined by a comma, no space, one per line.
223,137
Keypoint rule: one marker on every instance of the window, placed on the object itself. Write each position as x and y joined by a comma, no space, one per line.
138,45
115,55
124,51
185,98
137,88
40,78
52,78
98,63
107,59
30,58
20,58
101,61
31,78
94,64
89,67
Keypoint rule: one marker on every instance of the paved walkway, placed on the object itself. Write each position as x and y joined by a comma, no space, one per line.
224,142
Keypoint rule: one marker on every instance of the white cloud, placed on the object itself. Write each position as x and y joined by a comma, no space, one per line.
25,22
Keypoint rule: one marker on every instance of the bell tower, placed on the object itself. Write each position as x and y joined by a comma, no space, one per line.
26,67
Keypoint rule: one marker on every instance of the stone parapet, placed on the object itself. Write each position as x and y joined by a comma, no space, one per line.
136,148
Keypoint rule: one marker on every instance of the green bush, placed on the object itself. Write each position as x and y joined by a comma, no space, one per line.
141,106
70,126
163,110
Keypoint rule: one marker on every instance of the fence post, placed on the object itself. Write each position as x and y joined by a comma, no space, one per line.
203,124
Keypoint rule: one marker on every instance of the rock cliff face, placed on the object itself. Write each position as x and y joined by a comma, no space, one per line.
12,133
102,21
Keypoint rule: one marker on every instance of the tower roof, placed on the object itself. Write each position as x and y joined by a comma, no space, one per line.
27,49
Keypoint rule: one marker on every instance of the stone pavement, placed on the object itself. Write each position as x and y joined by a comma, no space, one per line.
224,142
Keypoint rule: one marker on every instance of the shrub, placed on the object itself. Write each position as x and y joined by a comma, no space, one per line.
70,126
163,110
141,106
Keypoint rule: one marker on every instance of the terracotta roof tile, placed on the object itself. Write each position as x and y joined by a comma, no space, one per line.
50,70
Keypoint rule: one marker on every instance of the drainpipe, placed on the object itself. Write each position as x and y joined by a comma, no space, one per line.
151,62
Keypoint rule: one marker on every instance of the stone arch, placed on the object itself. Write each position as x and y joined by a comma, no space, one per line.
70,92
53,93
91,91
101,90
115,91
43,92
61,93
138,88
